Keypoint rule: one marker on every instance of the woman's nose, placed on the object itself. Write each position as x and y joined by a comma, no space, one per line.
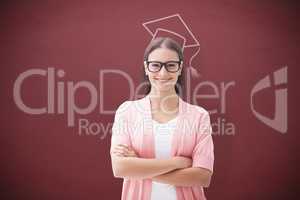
163,71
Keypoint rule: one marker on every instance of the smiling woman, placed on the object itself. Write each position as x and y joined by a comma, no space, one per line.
164,148
171,53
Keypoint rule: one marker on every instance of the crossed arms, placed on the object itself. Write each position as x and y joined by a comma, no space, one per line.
177,171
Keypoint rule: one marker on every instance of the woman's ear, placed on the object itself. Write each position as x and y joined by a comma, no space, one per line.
181,65
145,68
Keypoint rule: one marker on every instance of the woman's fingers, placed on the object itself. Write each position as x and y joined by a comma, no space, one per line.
121,150
118,154
124,150
131,153
123,145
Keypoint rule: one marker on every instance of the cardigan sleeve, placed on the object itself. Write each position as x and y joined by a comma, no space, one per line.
203,153
120,133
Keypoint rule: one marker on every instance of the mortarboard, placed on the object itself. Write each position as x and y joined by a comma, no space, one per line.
174,27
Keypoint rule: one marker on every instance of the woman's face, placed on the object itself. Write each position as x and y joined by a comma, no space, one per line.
163,80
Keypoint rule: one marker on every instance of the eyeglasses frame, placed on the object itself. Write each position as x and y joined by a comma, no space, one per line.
179,62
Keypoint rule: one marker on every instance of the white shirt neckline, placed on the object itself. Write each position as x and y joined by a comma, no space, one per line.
170,121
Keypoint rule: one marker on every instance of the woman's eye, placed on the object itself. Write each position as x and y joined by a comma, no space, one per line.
155,65
171,65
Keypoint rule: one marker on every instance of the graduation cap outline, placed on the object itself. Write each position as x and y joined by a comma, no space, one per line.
190,42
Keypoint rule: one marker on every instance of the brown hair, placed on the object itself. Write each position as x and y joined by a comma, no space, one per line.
164,42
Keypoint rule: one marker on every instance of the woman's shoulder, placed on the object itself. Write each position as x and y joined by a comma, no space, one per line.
196,109
128,107
123,108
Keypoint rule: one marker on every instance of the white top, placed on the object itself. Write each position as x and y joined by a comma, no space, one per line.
163,133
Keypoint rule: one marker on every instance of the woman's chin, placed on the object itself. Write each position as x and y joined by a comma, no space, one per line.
164,88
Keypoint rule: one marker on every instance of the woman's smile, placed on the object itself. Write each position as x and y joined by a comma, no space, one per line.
163,80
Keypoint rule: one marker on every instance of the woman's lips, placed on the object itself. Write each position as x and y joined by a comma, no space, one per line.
162,80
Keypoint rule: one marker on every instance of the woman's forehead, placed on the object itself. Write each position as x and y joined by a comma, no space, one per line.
163,54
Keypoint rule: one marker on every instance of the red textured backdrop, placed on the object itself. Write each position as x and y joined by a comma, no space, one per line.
241,41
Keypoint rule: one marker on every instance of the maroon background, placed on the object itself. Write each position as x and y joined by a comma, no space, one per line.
243,41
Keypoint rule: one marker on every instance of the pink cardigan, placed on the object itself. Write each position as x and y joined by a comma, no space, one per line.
192,138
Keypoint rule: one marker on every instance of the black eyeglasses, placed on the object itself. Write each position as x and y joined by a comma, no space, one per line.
170,66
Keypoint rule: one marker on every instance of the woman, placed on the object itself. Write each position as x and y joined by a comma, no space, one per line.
161,145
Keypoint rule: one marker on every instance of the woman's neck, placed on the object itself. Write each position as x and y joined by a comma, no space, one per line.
165,101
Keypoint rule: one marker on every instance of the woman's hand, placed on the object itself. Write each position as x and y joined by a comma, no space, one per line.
123,150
